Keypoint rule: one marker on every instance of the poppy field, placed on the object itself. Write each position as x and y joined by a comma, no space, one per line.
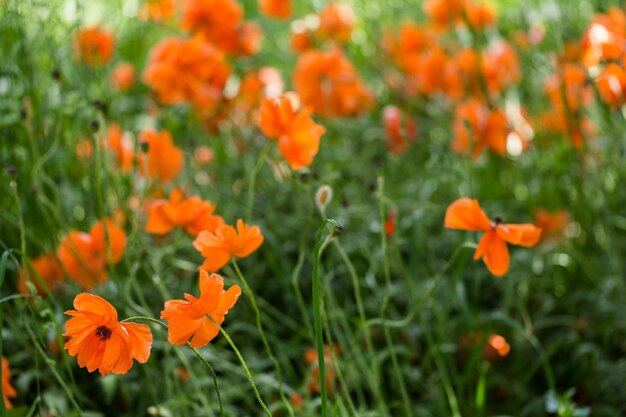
313,208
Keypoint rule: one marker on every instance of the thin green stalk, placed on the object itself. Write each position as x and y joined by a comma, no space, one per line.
259,325
3,266
383,308
243,365
214,375
317,314
252,183
204,361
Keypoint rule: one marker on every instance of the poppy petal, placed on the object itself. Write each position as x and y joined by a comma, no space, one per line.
466,214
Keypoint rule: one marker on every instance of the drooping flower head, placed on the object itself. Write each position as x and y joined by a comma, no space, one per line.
193,319
7,389
94,46
466,214
225,243
193,214
298,135
164,160
100,341
85,257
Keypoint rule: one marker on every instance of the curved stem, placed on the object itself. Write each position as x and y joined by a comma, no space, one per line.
252,183
150,319
259,325
243,365
217,389
317,314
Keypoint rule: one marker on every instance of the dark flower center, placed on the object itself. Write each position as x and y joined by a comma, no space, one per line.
103,333
498,220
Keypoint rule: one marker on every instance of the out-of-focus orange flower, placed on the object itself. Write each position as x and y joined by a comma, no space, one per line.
463,74
476,128
480,15
444,12
123,76
612,85
220,246
501,66
164,160
100,341
257,85
336,22
552,224
311,358
605,38
329,83
298,135
390,224
400,129
466,214
278,9
94,46
157,10
86,256
194,318
568,93
203,155
193,214
221,23
84,149
187,70
302,36
182,373
297,400
45,267
7,389
496,348
121,145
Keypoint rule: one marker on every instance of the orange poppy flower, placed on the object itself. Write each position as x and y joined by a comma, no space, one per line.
193,319
612,85
220,246
310,357
278,9
552,224
501,66
7,389
187,71
164,160
121,145
204,155
400,129
390,224
94,46
193,214
298,135
329,83
257,85
157,10
466,214
101,342
476,128
336,22
444,12
123,76
605,38
480,15
47,267
220,22
302,37
85,256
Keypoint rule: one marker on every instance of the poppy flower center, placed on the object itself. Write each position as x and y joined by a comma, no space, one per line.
103,333
497,220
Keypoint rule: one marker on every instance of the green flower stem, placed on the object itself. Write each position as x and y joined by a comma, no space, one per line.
317,314
259,325
243,365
